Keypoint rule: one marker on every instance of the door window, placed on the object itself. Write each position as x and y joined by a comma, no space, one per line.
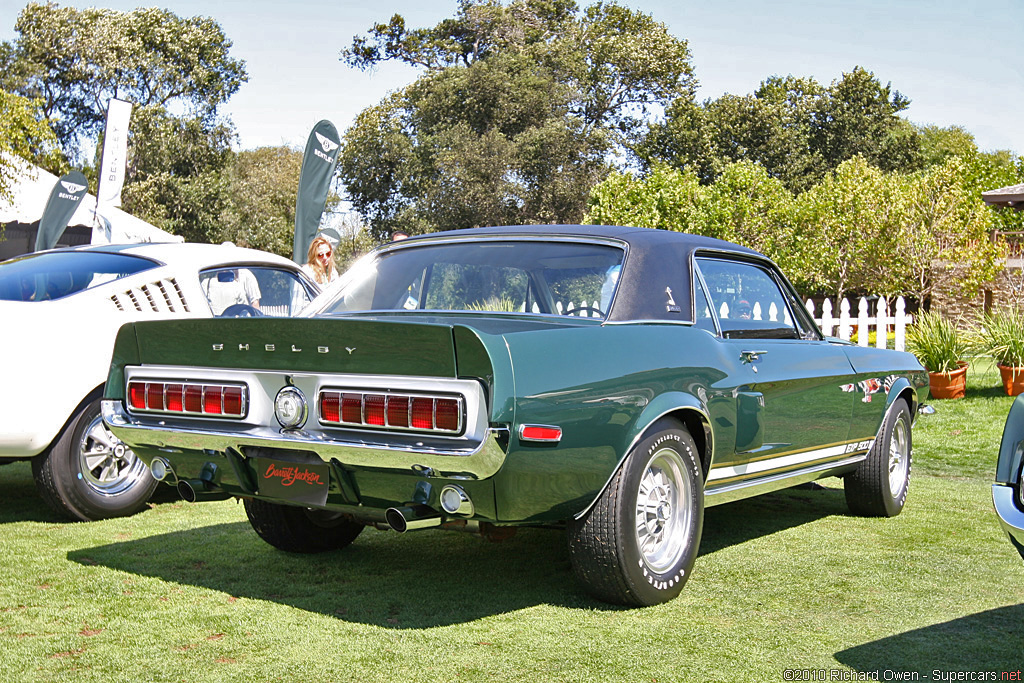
747,300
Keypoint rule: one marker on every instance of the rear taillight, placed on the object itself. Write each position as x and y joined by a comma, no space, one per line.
441,414
222,400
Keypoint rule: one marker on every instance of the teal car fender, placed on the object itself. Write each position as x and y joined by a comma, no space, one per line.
590,382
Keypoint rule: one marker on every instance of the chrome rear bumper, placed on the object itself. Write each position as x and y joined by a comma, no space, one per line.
380,451
1010,516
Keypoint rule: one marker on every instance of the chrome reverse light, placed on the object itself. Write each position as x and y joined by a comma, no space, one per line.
188,398
290,408
412,412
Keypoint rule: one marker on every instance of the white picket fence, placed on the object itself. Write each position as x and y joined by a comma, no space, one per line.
842,326
880,321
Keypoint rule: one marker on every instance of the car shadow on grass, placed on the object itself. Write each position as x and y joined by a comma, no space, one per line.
417,580
735,523
984,642
21,501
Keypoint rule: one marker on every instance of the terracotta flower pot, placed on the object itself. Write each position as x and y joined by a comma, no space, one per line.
949,385
1013,379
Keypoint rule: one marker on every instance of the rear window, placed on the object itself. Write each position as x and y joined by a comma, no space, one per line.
58,274
532,277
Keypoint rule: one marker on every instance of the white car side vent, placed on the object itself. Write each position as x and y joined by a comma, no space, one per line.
162,296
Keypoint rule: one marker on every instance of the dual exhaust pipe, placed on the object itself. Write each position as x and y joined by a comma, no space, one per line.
453,500
191,490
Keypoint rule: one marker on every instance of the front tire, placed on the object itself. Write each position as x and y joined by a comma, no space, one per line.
88,474
637,544
301,530
878,487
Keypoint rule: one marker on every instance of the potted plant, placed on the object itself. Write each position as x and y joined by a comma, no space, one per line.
941,347
1001,337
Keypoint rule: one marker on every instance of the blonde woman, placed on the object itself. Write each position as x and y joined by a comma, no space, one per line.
320,261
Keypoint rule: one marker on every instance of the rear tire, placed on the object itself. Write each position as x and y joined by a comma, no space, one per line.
637,544
301,530
878,487
88,474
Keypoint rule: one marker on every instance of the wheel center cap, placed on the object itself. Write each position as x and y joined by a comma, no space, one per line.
664,511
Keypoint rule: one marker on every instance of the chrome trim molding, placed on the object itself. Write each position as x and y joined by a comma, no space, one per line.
204,385
745,489
388,395
768,464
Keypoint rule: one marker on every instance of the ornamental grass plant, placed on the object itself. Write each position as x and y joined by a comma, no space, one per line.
1000,336
938,343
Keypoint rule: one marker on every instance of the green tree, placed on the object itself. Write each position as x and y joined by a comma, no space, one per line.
665,198
846,228
857,115
176,176
795,128
259,208
946,221
75,60
24,133
939,144
748,206
515,118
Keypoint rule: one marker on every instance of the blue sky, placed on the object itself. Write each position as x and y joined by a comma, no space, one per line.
959,62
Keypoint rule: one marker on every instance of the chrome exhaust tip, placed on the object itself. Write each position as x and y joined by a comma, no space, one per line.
194,490
455,501
411,517
160,468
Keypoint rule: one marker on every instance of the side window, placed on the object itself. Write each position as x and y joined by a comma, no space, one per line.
747,300
271,291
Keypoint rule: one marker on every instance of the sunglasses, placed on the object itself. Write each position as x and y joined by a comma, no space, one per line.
324,254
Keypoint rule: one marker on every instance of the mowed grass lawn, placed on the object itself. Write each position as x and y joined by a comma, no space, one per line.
784,582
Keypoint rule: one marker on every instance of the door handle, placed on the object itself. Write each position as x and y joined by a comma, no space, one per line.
751,356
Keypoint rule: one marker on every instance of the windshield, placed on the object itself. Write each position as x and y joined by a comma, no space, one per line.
57,274
546,278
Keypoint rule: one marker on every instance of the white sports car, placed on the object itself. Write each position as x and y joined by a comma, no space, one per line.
60,311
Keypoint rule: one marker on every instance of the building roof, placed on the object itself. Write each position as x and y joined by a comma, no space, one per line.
1012,196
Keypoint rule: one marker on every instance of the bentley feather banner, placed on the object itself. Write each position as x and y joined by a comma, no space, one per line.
318,163
115,153
67,194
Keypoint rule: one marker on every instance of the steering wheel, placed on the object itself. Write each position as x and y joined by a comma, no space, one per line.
240,311
592,309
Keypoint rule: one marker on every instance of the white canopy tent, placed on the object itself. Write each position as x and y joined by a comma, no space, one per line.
32,189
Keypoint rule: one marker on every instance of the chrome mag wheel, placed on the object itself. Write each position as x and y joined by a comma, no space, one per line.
107,465
663,513
899,460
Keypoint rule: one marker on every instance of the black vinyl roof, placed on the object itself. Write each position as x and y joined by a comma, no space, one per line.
656,276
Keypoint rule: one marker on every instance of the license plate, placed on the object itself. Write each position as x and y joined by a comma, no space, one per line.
292,481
